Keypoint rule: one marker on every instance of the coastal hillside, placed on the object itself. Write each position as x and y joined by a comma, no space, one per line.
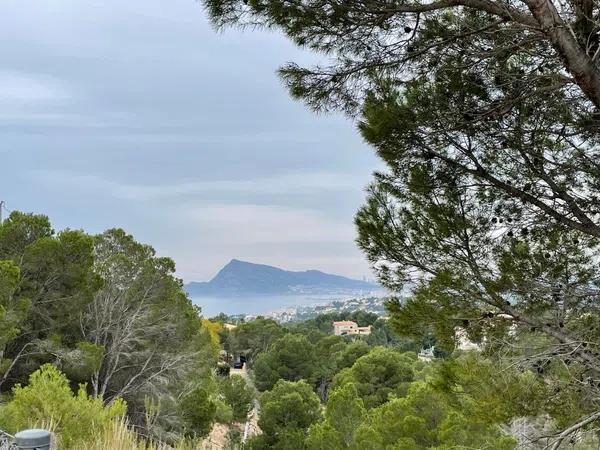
245,278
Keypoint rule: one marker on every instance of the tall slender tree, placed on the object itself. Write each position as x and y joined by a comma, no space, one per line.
152,342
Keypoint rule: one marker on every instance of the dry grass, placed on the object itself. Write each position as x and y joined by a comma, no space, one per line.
119,436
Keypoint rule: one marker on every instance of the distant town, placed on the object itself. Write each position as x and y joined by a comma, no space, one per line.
301,313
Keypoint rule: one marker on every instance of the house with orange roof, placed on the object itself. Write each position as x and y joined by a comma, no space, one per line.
349,327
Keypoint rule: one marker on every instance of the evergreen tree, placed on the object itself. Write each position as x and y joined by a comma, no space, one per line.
251,338
378,375
486,114
422,420
344,413
238,395
108,313
291,358
152,341
48,280
286,413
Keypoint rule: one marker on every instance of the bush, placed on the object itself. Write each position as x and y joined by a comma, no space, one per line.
238,395
120,436
234,438
377,375
48,398
290,358
223,412
199,411
286,413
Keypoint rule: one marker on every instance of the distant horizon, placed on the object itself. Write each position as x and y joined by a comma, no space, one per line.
361,278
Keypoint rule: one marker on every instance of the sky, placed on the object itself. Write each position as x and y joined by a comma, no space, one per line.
137,114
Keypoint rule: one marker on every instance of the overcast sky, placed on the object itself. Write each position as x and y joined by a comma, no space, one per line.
137,114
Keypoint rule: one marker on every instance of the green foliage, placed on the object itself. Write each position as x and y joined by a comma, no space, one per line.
489,391
422,414
327,353
332,354
83,362
308,350
321,436
488,207
234,438
378,375
49,399
223,412
12,310
324,322
495,259
491,266
58,278
351,353
291,358
55,284
382,334
251,338
345,412
286,413
198,411
166,351
109,313
19,231
423,420
236,393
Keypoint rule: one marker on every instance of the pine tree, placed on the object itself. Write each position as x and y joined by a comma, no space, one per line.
486,114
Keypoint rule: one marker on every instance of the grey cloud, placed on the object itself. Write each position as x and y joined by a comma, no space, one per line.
137,114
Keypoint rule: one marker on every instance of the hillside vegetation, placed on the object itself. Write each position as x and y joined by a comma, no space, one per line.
97,332
321,391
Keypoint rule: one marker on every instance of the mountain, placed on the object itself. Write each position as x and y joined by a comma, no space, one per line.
245,278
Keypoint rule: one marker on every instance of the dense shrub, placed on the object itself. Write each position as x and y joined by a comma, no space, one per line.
238,395
286,413
199,411
49,399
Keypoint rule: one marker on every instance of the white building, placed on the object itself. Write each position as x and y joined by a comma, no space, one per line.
347,327
427,354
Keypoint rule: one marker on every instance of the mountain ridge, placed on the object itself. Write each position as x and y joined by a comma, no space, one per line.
245,278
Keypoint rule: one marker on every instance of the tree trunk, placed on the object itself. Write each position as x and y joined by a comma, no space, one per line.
576,60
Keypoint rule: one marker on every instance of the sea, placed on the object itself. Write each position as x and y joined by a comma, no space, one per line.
257,305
